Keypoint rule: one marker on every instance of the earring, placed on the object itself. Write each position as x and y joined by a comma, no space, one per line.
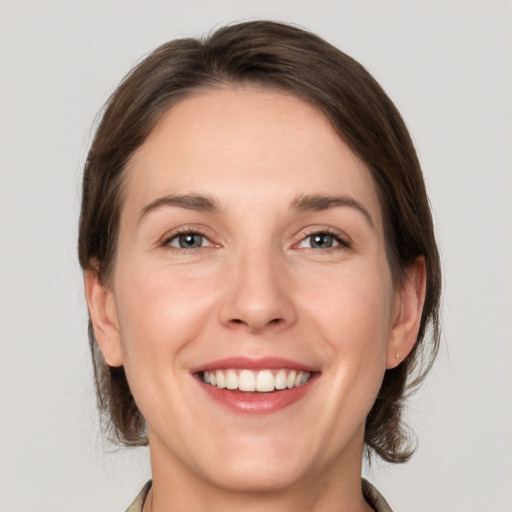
397,356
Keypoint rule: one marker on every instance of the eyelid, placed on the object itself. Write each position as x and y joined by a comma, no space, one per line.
205,242
184,230
341,237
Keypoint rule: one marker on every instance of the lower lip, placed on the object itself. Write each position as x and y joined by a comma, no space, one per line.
254,402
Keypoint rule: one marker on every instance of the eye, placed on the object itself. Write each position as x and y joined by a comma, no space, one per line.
188,240
322,240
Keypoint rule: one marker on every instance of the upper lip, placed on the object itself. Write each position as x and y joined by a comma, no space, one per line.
250,363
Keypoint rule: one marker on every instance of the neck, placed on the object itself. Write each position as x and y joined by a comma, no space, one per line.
256,503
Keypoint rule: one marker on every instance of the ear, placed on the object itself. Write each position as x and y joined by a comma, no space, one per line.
408,309
103,313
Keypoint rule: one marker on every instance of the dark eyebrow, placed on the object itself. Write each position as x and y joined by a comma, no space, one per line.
188,201
317,202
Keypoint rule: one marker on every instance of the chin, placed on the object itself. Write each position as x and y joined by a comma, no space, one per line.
276,466
255,476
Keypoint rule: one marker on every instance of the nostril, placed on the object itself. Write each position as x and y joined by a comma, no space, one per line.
251,325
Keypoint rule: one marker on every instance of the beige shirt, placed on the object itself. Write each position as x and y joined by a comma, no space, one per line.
370,493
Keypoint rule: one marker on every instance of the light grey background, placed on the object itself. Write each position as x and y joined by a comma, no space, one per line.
447,65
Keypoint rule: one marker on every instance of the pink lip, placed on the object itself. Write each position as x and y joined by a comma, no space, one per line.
249,363
257,403
254,402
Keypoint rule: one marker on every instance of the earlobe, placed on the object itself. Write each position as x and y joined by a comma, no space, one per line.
410,299
102,310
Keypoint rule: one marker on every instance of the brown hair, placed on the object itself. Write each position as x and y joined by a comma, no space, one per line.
284,57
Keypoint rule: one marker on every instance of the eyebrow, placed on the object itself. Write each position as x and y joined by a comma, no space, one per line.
188,202
302,203
318,202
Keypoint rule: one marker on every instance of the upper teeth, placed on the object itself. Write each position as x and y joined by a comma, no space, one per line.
262,380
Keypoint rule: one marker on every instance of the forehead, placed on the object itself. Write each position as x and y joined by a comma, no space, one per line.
246,144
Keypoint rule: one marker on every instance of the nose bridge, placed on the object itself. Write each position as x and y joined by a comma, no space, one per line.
257,293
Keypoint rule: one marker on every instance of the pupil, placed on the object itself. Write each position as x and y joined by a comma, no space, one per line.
321,241
190,240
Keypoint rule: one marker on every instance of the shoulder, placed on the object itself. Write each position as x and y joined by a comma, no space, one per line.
138,503
374,497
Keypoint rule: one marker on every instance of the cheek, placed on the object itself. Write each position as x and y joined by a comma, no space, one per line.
349,315
354,305
160,312
354,316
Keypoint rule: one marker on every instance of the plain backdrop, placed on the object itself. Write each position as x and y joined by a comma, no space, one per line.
446,64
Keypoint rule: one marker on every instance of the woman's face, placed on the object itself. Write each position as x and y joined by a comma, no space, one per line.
251,254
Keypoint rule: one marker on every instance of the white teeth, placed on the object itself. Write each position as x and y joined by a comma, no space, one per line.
290,380
280,380
263,381
246,381
221,381
231,379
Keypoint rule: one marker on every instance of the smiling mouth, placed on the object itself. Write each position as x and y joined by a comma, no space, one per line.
261,381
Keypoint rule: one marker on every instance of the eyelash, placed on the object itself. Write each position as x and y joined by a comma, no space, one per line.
185,231
342,242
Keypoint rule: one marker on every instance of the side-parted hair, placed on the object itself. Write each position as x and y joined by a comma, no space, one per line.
278,57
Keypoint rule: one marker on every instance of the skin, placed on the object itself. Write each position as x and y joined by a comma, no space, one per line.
255,287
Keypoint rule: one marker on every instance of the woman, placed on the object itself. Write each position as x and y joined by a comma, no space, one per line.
260,270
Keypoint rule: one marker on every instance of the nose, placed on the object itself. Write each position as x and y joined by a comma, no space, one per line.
259,294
